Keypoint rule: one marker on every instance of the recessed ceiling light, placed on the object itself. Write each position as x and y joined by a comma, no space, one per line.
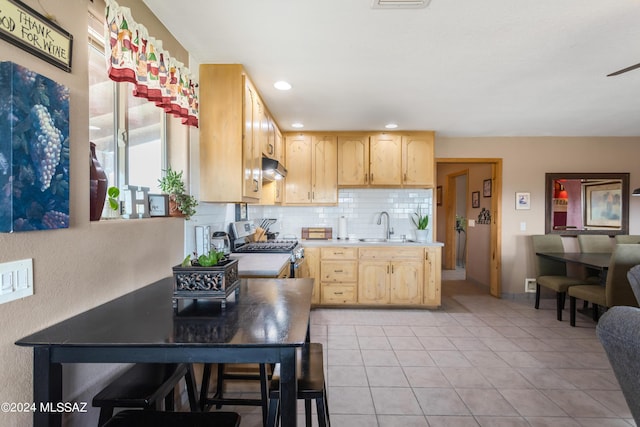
297,125
282,85
391,126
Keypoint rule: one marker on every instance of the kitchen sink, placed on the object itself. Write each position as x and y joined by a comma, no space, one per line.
373,240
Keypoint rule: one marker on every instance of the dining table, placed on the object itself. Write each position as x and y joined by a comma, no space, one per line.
596,260
264,322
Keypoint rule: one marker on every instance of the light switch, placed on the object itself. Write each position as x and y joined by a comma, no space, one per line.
523,226
16,280
472,223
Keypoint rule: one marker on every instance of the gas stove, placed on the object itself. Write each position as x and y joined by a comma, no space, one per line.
270,246
243,232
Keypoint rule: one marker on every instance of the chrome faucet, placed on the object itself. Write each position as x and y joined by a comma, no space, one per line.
388,231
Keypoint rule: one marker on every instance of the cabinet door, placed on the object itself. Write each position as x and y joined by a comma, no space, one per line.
353,160
417,161
385,160
407,280
373,282
298,158
269,147
432,293
250,183
325,170
279,146
312,271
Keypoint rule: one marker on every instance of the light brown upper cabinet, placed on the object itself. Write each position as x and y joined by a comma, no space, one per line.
235,130
386,160
312,163
418,160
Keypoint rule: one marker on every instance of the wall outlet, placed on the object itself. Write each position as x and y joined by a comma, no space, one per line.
16,280
530,285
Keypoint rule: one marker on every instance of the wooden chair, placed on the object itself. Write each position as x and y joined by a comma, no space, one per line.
594,243
132,418
311,385
617,290
145,386
552,274
619,333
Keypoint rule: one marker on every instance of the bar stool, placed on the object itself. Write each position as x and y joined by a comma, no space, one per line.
134,418
311,385
144,386
219,400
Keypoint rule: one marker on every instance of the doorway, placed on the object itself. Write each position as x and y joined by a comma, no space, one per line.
448,172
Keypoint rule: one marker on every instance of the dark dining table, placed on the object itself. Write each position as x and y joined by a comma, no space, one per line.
596,260
266,321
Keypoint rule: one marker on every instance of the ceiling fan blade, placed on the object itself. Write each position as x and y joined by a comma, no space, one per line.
624,70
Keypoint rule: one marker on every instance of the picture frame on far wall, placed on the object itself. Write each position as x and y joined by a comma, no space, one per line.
475,199
439,195
523,201
486,188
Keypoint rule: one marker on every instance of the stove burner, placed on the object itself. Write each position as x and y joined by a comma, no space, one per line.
276,246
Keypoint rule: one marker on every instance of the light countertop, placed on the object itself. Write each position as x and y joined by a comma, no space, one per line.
357,242
260,265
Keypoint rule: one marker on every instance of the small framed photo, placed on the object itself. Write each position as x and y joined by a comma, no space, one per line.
439,195
523,201
475,199
158,205
486,188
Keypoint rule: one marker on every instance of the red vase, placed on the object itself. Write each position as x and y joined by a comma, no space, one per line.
98,185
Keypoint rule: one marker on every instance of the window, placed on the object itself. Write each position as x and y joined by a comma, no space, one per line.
129,132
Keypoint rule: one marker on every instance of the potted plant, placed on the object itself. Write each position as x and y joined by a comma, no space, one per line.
113,203
421,221
209,276
180,203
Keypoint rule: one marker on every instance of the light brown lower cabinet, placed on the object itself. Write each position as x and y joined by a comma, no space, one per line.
399,275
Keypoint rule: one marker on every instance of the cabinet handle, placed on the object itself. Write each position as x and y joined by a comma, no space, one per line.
371,178
338,293
405,177
313,195
338,253
338,271
366,178
309,195
255,183
271,149
392,272
387,269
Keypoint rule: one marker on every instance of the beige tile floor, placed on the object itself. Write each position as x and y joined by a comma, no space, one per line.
477,361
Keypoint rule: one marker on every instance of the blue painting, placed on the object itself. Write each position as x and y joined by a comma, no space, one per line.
34,151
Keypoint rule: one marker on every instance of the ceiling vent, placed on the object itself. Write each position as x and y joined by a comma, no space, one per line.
400,4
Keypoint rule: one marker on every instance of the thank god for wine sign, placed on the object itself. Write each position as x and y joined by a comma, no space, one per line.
27,29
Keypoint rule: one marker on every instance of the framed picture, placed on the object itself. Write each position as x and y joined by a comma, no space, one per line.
475,199
159,204
523,201
439,195
602,202
486,188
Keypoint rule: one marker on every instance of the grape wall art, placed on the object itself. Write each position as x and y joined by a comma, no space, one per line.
34,151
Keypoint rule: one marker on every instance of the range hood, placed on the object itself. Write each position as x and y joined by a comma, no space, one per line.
272,169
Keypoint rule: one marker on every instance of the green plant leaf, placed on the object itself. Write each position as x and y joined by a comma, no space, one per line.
186,262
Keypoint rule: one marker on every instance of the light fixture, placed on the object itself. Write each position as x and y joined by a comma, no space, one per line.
636,192
297,125
282,85
391,126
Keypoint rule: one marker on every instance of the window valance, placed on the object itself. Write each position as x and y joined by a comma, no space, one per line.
136,57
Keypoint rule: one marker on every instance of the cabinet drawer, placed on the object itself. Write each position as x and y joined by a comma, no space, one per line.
391,254
339,253
339,271
338,294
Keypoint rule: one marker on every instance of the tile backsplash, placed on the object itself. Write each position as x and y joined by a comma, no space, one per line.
361,207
